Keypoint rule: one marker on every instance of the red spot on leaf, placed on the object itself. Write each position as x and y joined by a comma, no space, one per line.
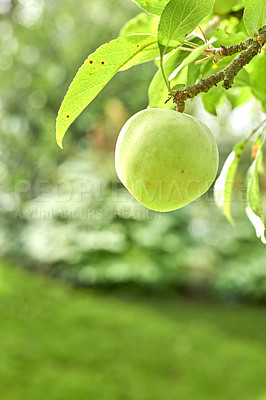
108,42
90,73
137,45
102,62
90,61
68,115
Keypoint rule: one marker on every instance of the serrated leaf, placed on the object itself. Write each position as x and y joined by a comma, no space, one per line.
252,196
158,92
254,15
152,6
96,72
141,23
224,185
180,18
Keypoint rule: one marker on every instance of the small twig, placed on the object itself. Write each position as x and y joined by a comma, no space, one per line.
248,48
203,60
218,53
223,51
203,34
185,48
191,44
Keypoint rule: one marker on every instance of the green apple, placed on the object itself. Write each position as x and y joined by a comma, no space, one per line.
166,159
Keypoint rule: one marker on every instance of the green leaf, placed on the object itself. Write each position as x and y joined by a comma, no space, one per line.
146,54
225,38
254,15
142,23
180,18
256,146
242,78
253,77
152,6
213,98
188,60
257,78
209,68
224,7
158,92
224,185
179,86
96,72
238,96
252,196
193,74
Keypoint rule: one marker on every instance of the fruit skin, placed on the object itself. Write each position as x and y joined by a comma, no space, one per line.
166,159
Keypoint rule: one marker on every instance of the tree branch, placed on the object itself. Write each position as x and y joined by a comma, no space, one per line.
229,50
248,48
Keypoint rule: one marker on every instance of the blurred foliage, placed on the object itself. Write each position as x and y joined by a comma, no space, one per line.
60,344
65,213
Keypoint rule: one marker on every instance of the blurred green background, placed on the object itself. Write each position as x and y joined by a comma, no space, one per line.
100,297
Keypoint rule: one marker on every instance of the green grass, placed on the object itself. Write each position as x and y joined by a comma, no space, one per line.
61,344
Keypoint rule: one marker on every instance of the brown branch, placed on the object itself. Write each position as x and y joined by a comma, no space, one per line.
249,49
223,51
